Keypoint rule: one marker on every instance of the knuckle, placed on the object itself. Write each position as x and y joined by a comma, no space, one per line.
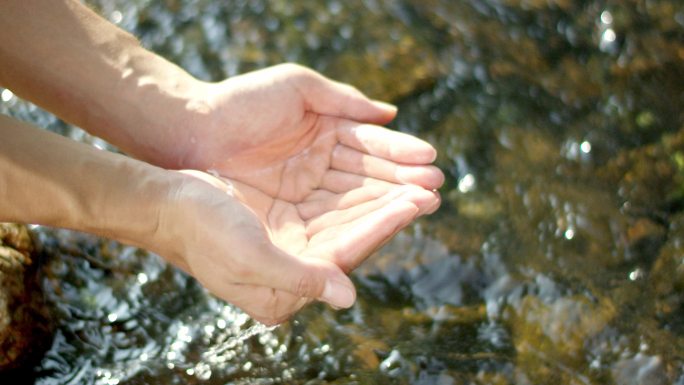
303,286
352,91
294,69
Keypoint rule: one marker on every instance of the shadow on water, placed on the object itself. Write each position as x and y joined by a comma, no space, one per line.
558,255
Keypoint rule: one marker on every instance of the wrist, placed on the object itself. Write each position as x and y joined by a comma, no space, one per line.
70,61
170,105
49,180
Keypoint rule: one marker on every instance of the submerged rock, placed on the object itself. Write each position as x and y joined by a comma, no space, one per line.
640,370
550,336
23,317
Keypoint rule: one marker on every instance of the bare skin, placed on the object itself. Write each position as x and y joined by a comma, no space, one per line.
322,186
306,184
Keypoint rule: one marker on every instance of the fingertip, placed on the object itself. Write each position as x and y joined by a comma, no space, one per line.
425,200
435,205
385,106
438,178
431,154
339,292
426,154
415,151
328,97
379,112
428,177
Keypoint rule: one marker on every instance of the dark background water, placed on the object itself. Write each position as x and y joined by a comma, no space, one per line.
558,254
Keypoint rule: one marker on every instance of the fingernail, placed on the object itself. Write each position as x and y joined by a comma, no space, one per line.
338,294
385,106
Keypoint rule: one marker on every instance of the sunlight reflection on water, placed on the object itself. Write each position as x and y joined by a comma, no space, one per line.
556,256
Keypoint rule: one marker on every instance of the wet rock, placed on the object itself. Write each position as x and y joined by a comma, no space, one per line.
550,336
23,317
557,227
645,237
649,178
366,351
373,50
667,276
640,370
645,230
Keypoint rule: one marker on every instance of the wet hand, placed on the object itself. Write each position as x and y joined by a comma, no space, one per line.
315,179
271,257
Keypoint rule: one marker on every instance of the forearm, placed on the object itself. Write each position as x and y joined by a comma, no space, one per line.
50,180
67,59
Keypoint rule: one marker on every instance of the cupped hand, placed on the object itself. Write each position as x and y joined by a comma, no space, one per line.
283,127
270,257
309,183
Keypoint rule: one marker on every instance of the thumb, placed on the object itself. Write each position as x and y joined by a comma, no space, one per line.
328,97
304,277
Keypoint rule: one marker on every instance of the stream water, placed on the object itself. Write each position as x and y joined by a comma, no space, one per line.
558,254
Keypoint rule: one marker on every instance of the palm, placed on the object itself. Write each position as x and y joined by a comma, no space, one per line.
309,203
321,184
310,175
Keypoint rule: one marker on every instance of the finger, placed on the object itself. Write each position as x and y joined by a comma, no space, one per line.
268,266
328,97
385,143
341,182
349,245
322,201
356,162
421,198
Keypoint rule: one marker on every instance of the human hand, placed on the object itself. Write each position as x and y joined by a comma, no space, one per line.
269,123
258,252
300,138
315,180
321,184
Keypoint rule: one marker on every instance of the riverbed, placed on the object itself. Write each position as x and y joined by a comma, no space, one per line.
557,256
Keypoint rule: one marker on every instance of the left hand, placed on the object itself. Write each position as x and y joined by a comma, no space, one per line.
305,156
306,150
260,252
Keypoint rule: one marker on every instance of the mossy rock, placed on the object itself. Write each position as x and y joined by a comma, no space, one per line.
551,335
24,321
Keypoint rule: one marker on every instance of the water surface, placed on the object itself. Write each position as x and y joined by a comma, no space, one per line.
558,254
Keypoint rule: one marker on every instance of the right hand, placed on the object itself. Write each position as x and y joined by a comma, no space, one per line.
259,254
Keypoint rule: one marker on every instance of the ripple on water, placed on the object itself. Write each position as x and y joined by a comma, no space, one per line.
557,251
